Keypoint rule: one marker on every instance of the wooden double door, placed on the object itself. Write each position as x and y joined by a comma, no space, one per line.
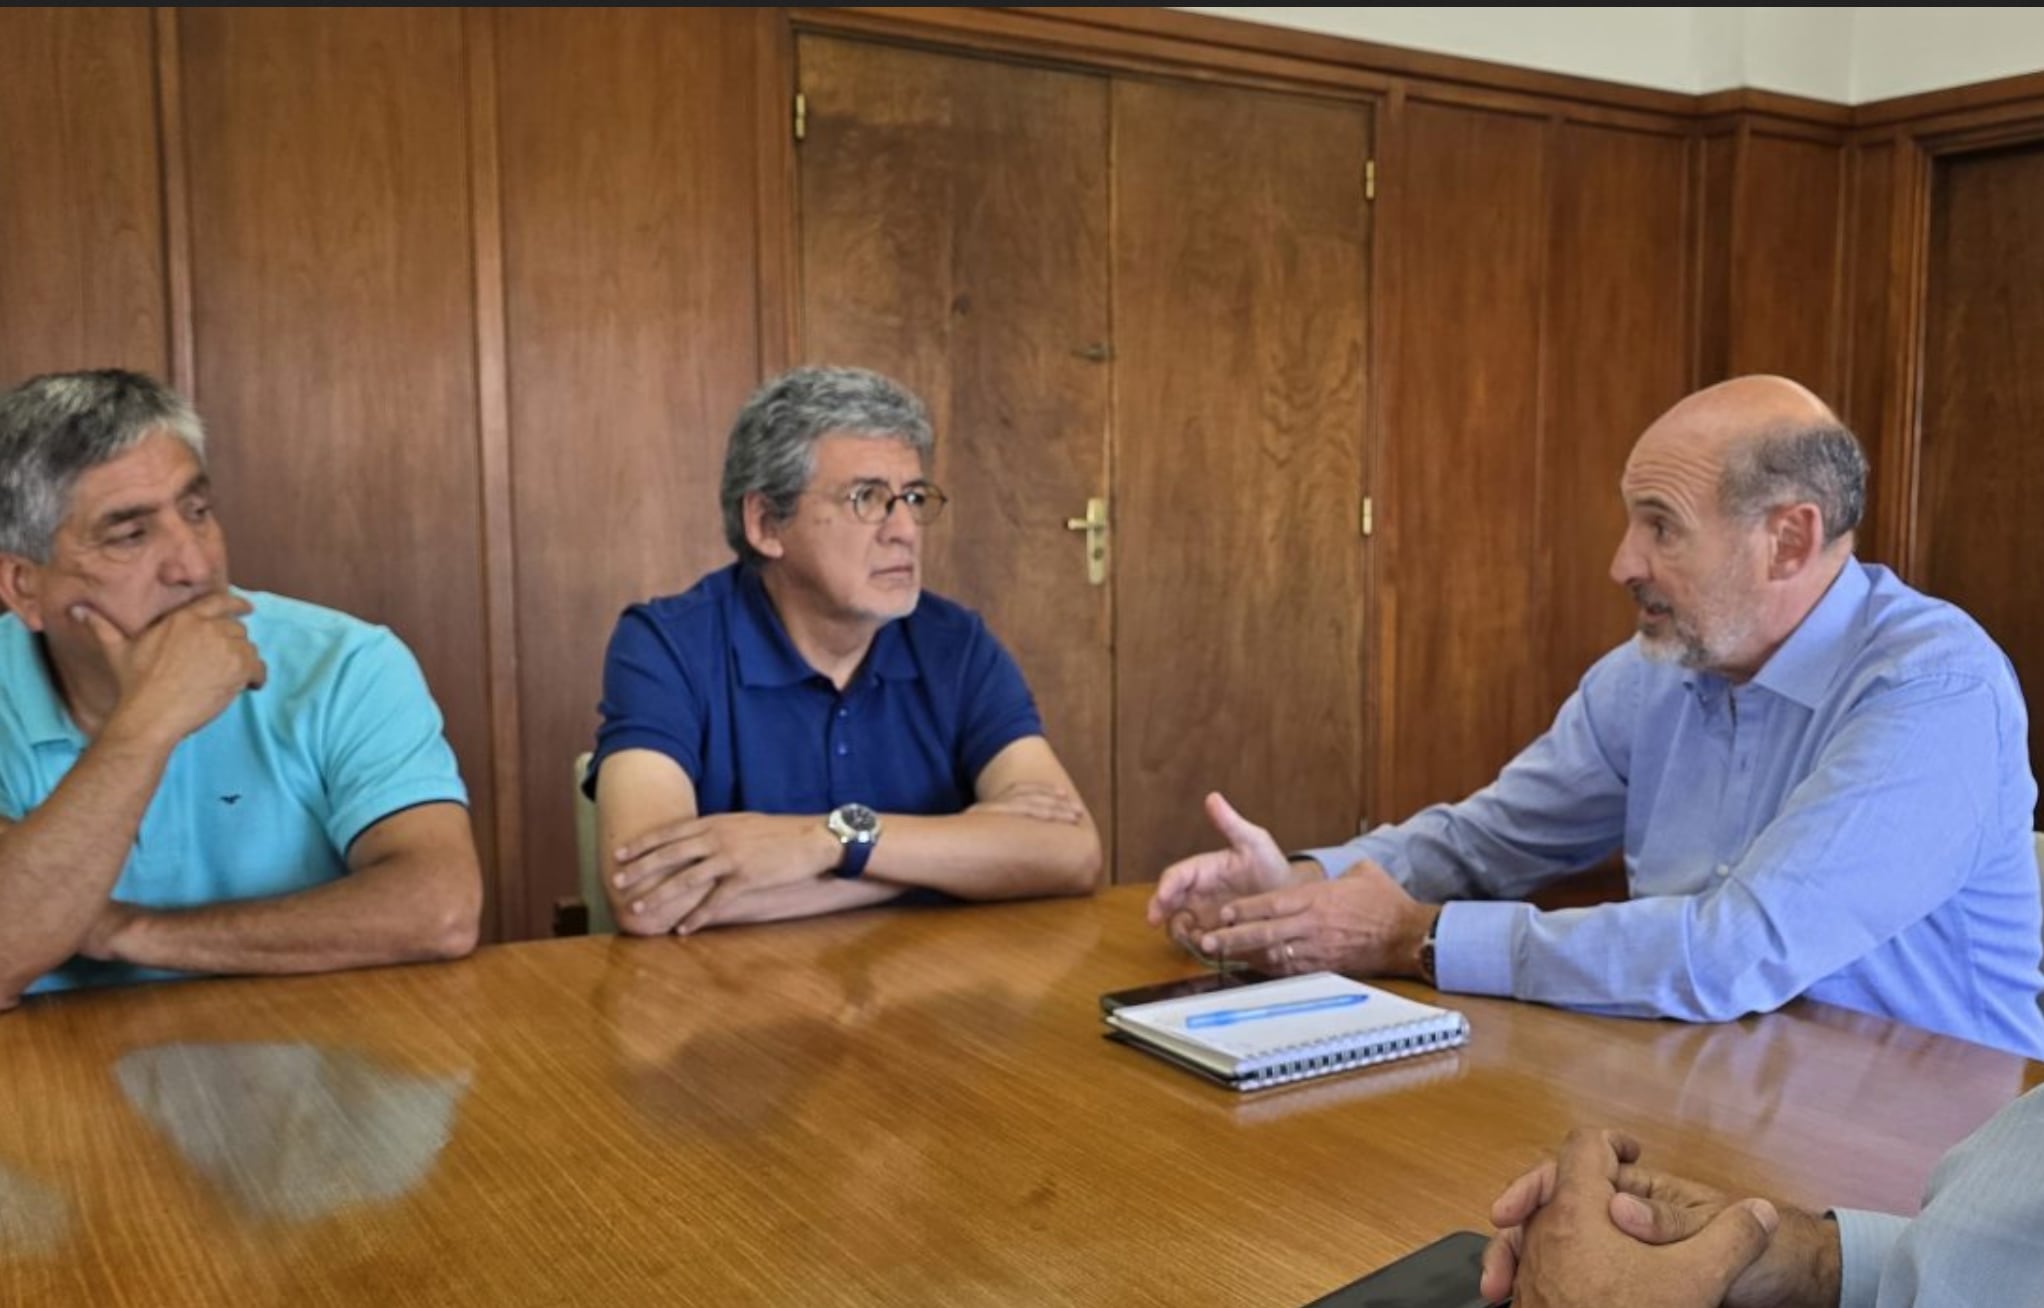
1149,293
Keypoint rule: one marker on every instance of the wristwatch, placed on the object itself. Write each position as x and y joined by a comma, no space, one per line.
1426,953
857,829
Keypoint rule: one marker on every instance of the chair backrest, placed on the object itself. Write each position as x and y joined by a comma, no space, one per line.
590,867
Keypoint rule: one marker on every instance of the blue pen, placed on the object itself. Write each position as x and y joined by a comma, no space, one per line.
1230,1016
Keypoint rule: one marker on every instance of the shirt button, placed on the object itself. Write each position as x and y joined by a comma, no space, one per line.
843,750
1724,869
844,713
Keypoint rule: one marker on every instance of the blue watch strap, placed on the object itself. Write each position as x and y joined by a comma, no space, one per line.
854,862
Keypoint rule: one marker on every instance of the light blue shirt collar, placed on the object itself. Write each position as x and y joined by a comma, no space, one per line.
1807,663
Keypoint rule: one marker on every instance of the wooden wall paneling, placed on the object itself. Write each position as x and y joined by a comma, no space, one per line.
334,325
1955,108
1870,357
1240,271
1615,352
1786,298
1983,401
1773,111
1716,171
81,214
629,150
1206,47
177,199
1455,510
493,401
776,207
1896,451
954,236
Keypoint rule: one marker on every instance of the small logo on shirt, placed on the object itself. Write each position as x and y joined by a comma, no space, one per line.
230,800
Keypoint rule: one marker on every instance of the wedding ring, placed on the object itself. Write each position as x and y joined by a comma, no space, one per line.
1290,957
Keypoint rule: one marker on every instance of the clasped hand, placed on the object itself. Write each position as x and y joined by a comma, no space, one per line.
1591,1227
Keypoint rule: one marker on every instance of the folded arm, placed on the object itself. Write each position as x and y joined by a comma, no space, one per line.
58,865
413,893
989,853
60,862
640,791
1028,835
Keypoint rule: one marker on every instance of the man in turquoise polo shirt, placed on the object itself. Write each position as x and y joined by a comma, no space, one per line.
195,779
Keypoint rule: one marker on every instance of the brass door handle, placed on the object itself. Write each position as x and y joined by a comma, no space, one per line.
1094,524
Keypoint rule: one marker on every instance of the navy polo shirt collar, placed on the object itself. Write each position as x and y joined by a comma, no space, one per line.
766,656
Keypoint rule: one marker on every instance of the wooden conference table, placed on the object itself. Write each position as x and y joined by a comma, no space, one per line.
889,1107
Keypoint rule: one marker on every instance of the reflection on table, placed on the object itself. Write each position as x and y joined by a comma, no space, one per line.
292,1132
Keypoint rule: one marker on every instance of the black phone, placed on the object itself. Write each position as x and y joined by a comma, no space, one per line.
1203,984
1444,1274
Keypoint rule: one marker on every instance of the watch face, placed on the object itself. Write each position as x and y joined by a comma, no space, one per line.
855,822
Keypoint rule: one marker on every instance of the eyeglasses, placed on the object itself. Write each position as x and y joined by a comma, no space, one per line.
872,501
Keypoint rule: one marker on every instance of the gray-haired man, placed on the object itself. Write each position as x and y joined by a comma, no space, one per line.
808,730
194,778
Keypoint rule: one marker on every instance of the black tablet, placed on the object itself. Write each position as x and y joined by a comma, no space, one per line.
1204,983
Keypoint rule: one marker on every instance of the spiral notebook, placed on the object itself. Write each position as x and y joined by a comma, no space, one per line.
1293,1029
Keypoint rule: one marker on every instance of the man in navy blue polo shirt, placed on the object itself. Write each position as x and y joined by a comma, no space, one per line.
807,730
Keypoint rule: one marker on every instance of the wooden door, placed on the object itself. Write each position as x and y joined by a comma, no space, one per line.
954,236
1979,532
1240,248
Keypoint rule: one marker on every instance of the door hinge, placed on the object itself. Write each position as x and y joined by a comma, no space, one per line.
1369,179
801,116
1368,517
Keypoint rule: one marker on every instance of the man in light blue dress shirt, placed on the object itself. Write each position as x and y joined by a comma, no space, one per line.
1819,779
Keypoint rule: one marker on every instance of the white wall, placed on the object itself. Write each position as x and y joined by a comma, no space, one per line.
1842,54
1921,48
1798,51
1646,47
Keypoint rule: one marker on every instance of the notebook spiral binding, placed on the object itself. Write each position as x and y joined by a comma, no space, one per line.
1283,1065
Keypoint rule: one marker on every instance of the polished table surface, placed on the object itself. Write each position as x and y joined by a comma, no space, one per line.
908,1106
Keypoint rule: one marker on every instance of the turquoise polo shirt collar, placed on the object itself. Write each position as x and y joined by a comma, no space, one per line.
1803,669
767,657
39,705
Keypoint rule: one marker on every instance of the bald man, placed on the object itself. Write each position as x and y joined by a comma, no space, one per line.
1819,779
